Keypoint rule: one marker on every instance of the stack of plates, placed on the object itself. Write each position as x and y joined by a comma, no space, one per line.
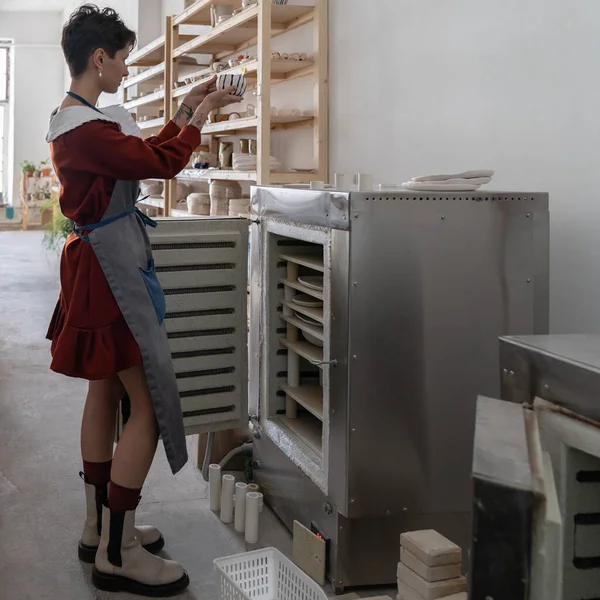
239,206
249,162
313,282
309,302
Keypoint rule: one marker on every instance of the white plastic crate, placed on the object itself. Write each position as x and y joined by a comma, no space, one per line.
264,575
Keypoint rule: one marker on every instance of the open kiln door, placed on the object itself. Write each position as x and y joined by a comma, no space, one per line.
202,265
516,552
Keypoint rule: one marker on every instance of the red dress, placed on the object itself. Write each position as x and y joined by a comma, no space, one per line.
90,338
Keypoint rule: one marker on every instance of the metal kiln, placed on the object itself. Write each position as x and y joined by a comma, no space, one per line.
370,434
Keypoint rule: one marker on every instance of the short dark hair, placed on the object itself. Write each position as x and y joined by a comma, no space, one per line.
90,28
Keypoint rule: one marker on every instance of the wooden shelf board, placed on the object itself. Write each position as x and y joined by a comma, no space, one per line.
276,178
152,123
309,396
302,288
306,428
302,326
198,13
281,70
155,73
153,53
306,260
304,349
313,313
157,98
251,123
242,29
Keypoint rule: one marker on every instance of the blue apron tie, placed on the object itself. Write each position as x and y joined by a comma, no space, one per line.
146,220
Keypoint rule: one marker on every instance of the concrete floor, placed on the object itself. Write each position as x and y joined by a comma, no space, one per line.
41,495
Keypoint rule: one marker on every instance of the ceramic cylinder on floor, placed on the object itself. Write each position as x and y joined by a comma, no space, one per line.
241,489
253,487
227,491
214,487
254,506
365,182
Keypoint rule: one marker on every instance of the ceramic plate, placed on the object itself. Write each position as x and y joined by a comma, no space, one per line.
306,300
308,320
311,339
314,282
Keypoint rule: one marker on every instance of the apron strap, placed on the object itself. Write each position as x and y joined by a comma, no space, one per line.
146,220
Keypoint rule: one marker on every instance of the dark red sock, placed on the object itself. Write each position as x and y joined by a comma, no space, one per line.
122,499
97,474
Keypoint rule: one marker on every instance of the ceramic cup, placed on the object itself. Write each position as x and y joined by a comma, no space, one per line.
237,81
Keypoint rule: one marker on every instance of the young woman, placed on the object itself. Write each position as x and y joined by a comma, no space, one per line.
108,324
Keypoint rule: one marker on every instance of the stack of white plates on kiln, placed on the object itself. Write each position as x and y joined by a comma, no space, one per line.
239,206
469,181
249,162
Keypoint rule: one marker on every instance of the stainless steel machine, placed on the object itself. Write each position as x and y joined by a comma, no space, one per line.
537,473
362,391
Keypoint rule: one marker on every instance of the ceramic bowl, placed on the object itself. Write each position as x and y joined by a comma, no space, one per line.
237,81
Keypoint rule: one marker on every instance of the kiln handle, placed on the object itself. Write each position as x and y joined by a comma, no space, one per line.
322,363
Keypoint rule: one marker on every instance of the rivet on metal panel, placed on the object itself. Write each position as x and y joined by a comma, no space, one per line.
528,215
529,281
388,512
353,430
512,373
356,215
443,218
343,217
355,284
546,386
328,508
352,501
355,357
326,214
505,371
333,411
404,509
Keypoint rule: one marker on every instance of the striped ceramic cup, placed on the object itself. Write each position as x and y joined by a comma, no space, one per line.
237,81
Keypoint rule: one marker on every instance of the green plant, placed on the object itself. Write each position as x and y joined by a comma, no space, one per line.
58,229
27,166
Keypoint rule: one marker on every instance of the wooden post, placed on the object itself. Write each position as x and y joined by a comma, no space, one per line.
169,85
263,176
322,89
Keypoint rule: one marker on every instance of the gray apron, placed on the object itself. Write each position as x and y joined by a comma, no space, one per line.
123,250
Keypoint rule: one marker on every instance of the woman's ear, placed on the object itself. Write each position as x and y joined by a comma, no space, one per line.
98,59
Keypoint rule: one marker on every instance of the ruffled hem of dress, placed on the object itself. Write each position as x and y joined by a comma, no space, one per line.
91,354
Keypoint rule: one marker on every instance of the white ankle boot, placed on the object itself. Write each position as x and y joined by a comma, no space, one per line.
122,565
95,498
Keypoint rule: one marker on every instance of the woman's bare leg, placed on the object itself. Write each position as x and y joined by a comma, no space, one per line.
137,446
99,420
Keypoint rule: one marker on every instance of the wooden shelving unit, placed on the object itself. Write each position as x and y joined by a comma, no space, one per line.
161,63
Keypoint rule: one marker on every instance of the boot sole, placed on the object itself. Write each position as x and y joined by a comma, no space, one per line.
116,583
87,554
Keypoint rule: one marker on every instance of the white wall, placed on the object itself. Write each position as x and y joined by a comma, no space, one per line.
38,82
423,86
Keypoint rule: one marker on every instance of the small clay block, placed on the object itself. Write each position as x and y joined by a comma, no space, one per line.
431,547
429,590
405,593
428,573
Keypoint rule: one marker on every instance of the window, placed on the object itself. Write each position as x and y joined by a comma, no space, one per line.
4,70
5,115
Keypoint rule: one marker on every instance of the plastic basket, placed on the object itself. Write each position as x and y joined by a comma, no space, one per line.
264,575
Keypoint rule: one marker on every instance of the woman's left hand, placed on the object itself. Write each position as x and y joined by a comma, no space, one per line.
199,93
